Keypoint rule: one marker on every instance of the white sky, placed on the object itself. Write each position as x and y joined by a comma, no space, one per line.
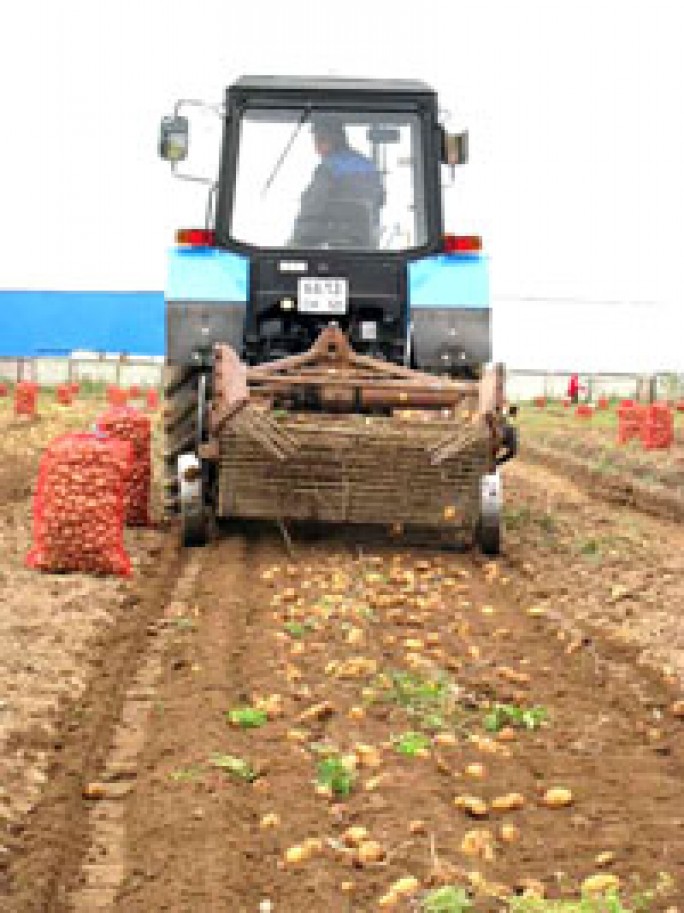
574,108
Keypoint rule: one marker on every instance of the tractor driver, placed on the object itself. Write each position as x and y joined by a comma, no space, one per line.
341,206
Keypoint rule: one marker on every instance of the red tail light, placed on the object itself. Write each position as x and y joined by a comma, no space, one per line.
462,244
196,237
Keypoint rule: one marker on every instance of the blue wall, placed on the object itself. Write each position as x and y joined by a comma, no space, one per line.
55,323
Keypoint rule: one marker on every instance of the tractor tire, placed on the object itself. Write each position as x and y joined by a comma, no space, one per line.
488,536
488,530
180,427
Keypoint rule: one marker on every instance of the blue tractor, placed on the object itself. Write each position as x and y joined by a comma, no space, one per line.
327,341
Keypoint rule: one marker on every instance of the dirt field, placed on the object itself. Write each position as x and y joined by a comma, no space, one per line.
587,448
430,699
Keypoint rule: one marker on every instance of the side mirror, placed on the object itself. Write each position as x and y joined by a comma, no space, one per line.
174,139
454,148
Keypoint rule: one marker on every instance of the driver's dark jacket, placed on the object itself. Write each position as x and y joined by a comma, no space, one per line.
341,205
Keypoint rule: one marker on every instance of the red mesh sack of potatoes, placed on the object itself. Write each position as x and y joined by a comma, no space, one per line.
126,424
152,399
78,507
64,395
116,396
4,390
25,398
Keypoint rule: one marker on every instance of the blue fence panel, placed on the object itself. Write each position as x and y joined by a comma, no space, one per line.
36,323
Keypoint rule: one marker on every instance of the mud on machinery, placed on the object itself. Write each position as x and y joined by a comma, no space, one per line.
327,342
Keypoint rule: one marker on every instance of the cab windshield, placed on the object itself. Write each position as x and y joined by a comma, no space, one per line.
337,180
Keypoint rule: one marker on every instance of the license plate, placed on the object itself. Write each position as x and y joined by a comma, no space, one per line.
322,296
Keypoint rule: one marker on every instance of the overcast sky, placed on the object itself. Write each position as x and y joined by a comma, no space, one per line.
574,108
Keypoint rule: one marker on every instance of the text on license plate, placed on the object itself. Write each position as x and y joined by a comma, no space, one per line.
322,296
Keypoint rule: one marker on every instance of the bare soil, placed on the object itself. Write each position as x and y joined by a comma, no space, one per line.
51,627
588,449
580,616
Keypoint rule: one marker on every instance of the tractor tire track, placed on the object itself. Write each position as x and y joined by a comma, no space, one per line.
54,837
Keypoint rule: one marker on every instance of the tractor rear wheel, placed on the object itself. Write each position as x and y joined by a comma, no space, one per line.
488,531
180,427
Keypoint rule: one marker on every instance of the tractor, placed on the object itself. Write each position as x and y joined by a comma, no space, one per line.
328,342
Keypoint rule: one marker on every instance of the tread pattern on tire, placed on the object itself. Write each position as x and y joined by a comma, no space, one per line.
180,426
489,538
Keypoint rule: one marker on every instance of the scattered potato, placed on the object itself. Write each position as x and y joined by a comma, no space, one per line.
313,844
295,855
478,843
369,852
270,821
417,827
509,802
322,711
374,782
355,835
472,805
355,636
509,833
405,887
367,755
557,797
530,887
413,643
596,885
477,771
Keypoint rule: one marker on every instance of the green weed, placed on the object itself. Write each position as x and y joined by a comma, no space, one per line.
509,715
237,767
447,900
298,629
185,774
185,624
247,717
412,744
428,699
334,773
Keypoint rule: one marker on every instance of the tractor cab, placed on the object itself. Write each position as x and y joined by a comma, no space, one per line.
329,193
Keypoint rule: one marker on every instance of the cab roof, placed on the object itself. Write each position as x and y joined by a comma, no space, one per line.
331,84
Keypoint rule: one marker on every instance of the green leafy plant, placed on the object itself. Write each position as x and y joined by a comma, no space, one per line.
185,774
298,629
509,715
334,773
247,717
447,900
237,767
429,700
412,743
611,901
418,693
185,624
590,547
